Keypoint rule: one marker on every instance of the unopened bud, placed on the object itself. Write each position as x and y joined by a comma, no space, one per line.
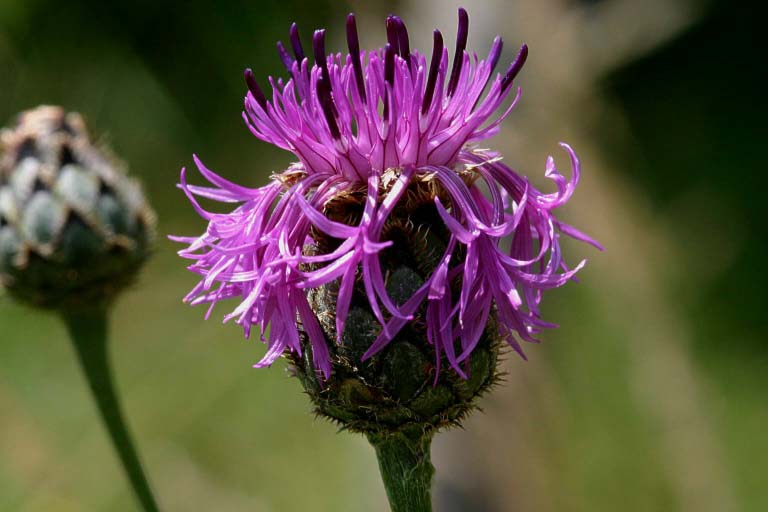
73,227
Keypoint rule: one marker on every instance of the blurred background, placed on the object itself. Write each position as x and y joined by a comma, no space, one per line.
651,395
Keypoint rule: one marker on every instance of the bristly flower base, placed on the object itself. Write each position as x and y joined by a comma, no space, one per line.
403,386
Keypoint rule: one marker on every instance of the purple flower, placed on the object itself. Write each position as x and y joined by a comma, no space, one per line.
374,123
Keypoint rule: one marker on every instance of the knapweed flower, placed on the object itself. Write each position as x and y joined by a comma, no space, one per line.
395,250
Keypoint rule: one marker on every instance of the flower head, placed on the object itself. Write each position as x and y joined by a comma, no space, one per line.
387,172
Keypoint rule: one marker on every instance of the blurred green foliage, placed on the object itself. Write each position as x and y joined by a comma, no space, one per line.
697,112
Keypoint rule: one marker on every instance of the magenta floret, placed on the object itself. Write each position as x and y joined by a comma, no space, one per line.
350,120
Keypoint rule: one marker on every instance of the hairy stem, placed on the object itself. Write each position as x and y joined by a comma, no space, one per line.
88,331
406,469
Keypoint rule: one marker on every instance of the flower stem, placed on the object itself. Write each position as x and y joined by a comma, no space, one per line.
88,331
406,469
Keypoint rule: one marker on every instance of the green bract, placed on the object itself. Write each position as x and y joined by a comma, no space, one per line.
401,388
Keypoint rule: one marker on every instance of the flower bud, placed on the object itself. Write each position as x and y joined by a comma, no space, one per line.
74,228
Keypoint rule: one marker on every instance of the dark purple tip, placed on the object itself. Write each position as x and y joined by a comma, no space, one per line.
324,85
329,109
461,44
389,75
493,60
437,54
389,64
393,37
402,39
495,54
285,56
298,51
354,52
515,67
318,45
256,91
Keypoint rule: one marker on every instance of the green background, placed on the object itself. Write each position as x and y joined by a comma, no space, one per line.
603,416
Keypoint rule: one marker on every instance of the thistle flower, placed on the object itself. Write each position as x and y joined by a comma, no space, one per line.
393,259
372,130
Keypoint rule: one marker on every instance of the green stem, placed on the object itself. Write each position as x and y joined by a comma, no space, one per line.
88,330
406,469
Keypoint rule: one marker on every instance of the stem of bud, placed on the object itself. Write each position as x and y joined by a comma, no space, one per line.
406,469
88,331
